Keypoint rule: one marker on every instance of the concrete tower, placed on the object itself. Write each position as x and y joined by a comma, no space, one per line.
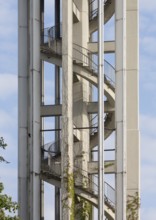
90,152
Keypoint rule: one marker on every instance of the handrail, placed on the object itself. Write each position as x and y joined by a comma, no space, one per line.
109,192
80,54
89,184
93,9
95,124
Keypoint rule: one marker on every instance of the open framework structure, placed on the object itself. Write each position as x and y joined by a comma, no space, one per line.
66,154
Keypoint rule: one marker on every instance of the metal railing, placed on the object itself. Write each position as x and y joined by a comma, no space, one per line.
110,194
82,178
81,55
51,149
51,33
51,39
94,124
90,185
109,73
93,8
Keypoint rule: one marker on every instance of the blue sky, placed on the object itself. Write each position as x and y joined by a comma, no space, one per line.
8,101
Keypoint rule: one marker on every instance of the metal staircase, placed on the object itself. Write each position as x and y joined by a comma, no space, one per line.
93,8
52,47
85,185
84,65
109,8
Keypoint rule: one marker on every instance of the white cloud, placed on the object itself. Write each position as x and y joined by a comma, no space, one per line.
8,86
148,179
149,214
7,119
148,148
8,36
150,86
148,166
148,125
8,48
8,18
147,6
148,44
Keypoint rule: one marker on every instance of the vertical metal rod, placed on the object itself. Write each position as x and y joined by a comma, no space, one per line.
57,70
101,111
57,137
57,18
57,101
42,102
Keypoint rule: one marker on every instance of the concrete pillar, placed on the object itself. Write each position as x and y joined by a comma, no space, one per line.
34,110
120,108
23,108
29,116
67,181
133,148
81,95
81,88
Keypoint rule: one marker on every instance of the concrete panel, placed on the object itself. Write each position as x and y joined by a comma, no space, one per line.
76,13
133,99
132,40
92,107
51,110
109,47
109,167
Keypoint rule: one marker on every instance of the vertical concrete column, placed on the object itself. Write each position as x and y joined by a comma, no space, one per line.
22,109
34,110
67,181
83,38
120,108
82,91
81,117
133,148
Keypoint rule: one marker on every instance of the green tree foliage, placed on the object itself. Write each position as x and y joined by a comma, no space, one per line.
6,203
3,146
133,205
